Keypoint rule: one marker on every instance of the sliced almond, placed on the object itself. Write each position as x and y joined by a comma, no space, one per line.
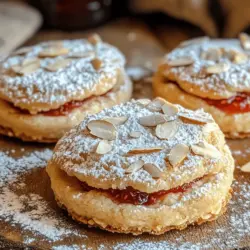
59,64
178,154
30,60
144,150
166,130
213,54
197,40
116,120
152,120
217,68
195,118
183,61
22,51
206,149
102,129
156,104
94,39
134,167
208,128
246,167
244,41
103,147
85,54
170,109
53,52
96,63
135,134
143,102
153,170
240,58
26,69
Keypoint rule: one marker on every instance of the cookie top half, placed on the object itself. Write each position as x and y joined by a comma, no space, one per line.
147,145
210,68
50,74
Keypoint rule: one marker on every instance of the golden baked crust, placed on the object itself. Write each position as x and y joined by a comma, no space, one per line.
42,128
200,204
150,146
233,125
228,76
50,74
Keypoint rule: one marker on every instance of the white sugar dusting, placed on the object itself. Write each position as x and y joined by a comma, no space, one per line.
27,210
237,78
70,148
64,85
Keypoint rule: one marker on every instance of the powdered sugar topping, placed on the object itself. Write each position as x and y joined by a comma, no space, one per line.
78,78
235,78
75,153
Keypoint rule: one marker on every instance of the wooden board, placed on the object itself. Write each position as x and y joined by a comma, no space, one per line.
42,225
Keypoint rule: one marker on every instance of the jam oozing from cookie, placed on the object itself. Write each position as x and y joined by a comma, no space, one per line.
236,104
64,109
136,197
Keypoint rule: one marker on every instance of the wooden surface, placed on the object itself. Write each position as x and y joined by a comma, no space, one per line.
142,49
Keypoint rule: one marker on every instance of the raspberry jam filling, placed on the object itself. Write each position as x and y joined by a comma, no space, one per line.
64,109
236,104
136,197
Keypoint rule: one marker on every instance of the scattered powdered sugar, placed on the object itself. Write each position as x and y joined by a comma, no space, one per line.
77,142
65,84
27,210
237,78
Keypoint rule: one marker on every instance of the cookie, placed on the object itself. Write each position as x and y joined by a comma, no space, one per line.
143,166
48,88
213,75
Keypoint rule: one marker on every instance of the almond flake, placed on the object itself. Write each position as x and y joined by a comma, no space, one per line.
94,39
152,120
134,167
183,61
166,130
213,54
22,51
53,52
96,63
30,60
102,129
195,118
153,170
208,128
26,69
143,101
82,54
135,134
246,167
178,154
217,68
170,109
244,41
156,104
103,147
59,64
116,120
239,58
143,151
206,149
197,40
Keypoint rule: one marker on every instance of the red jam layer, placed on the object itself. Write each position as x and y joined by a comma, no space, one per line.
64,109
234,105
135,197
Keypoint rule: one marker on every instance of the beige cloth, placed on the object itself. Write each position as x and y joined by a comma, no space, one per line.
235,13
